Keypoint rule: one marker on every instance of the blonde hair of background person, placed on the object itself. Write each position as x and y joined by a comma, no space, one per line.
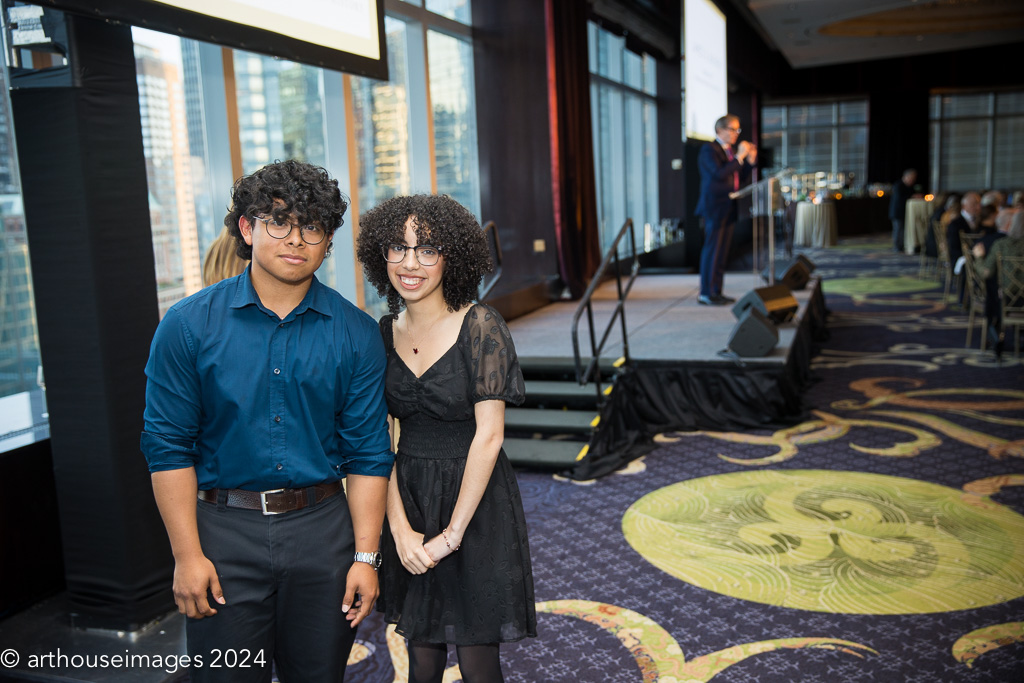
222,261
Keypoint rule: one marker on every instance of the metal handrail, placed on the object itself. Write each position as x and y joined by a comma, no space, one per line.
491,228
586,304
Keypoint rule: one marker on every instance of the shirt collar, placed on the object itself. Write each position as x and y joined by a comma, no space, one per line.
725,145
315,299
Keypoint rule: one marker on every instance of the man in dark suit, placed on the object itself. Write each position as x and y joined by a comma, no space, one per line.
967,221
901,192
724,168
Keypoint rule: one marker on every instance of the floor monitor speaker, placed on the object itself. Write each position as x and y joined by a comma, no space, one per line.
753,335
775,302
806,261
793,274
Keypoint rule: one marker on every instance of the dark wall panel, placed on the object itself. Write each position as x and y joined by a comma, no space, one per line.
510,65
671,182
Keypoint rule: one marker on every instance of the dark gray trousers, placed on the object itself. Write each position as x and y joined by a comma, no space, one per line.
283,578
898,235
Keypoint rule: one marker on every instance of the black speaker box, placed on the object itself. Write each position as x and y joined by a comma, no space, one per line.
753,335
794,274
775,302
806,261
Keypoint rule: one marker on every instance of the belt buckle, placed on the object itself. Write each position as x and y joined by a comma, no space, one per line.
263,501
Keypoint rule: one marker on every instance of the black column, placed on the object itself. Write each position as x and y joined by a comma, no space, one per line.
79,137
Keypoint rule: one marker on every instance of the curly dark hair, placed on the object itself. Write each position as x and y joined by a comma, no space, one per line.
306,191
440,221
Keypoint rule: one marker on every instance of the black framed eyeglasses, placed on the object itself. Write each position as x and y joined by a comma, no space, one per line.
310,234
426,254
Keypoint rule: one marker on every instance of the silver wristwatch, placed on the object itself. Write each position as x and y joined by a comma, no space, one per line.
372,559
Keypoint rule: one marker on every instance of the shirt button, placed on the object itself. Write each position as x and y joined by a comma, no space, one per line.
277,418
277,371
280,466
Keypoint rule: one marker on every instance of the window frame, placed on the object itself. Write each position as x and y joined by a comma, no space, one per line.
938,119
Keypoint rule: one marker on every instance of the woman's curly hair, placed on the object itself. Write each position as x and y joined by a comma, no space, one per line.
307,192
440,221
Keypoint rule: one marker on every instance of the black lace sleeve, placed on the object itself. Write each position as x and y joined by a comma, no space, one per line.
492,357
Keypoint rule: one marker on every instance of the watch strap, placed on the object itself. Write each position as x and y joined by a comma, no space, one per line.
373,559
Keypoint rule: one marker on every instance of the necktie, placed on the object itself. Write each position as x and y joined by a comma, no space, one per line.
735,175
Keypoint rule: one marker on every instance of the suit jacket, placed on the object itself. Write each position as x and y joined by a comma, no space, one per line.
716,180
953,230
898,200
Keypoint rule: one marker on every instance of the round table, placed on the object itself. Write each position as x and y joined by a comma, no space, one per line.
815,225
915,225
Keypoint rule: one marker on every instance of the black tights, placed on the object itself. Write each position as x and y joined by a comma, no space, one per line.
478,663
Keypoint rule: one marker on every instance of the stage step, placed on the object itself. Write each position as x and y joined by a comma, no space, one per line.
562,394
562,367
543,453
555,404
550,421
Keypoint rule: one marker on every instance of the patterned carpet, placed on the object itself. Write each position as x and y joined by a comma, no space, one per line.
882,540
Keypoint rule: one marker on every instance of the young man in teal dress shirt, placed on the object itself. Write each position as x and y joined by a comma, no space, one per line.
264,392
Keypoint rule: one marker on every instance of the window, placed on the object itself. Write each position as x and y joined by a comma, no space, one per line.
976,139
454,116
811,137
413,133
625,129
23,416
383,137
172,212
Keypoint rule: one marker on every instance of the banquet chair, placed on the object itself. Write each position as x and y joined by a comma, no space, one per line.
959,285
942,263
1011,295
927,263
974,288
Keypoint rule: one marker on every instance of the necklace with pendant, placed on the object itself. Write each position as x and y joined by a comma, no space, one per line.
408,329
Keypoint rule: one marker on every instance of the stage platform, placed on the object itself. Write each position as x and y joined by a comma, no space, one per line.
678,378
664,322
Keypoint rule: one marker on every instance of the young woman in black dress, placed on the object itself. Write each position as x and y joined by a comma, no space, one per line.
456,562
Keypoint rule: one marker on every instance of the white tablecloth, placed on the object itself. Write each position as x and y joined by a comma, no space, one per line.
915,225
815,225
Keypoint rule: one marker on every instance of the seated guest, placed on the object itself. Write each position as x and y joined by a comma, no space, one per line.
993,198
1011,247
947,211
985,244
950,211
1007,212
939,203
967,221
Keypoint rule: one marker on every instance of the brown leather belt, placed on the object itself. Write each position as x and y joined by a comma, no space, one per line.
276,501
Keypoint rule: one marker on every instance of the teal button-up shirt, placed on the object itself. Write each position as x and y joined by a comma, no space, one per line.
256,402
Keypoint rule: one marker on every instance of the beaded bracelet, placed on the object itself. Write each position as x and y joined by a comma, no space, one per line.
444,535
